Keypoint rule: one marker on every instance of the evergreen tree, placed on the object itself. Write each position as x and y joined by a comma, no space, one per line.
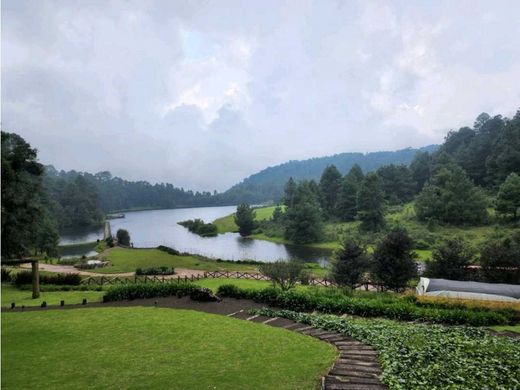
450,260
349,264
290,192
508,198
304,218
500,260
370,203
394,261
123,237
397,183
451,197
347,202
26,224
330,184
245,219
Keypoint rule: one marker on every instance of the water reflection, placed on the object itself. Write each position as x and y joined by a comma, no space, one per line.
159,227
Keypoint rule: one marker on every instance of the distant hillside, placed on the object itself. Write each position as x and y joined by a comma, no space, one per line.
268,184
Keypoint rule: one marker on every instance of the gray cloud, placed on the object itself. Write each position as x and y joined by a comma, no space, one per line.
202,94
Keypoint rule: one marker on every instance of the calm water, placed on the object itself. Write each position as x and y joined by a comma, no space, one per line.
159,227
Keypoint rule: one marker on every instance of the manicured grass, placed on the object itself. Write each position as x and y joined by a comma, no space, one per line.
155,348
514,328
227,224
24,297
127,260
214,284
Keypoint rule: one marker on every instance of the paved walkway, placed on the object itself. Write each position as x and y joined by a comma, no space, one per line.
357,367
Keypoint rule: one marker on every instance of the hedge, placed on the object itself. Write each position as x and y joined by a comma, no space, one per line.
124,292
398,309
25,277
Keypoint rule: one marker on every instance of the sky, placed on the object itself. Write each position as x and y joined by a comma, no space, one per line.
202,94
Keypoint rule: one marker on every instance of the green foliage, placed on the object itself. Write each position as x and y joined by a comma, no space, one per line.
370,203
450,260
347,202
330,184
350,263
284,274
169,250
155,271
6,275
372,305
123,237
415,355
245,219
25,277
198,226
500,260
420,169
451,197
203,294
26,223
394,261
508,198
397,183
122,292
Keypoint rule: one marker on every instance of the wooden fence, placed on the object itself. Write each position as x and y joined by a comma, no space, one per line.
107,280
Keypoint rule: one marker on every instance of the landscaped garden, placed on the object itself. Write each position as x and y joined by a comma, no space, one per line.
155,348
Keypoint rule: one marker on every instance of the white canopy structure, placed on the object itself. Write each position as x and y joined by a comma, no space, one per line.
469,290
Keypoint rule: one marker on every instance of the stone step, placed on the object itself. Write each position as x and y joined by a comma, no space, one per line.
260,319
351,374
359,362
282,323
242,315
332,383
357,380
331,337
354,347
269,320
303,328
252,317
361,352
293,326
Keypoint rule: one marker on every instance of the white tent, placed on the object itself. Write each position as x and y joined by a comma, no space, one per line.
468,290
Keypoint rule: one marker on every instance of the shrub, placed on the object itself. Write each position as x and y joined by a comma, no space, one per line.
6,275
25,277
388,306
450,260
203,294
123,237
198,226
283,274
350,264
155,271
168,250
123,292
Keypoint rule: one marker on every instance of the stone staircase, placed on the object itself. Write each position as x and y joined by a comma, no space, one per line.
357,367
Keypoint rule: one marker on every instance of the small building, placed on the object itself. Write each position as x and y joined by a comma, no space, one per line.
468,290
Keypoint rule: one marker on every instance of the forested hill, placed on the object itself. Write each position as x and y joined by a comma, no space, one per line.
268,184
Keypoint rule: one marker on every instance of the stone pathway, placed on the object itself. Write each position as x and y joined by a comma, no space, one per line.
357,367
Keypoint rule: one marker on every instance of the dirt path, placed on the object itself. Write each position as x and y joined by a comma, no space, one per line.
69,269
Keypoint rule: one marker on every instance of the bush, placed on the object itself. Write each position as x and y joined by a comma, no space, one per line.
283,274
155,271
123,237
168,250
6,275
198,226
413,355
124,292
25,277
388,306
203,295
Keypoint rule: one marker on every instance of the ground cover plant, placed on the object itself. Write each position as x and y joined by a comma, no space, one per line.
156,348
24,297
416,356
372,305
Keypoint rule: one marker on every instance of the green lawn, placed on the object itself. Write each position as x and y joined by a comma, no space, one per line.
155,348
127,260
227,224
214,284
24,297
512,328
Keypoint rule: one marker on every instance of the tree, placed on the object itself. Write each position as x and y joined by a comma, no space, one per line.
350,264
500,260
370,203
284,274
508,198
304,219
245,219
394,261
278,215
397,183
450,260
420,169
330,184
290,192
451,197
123,237
347,201
25,221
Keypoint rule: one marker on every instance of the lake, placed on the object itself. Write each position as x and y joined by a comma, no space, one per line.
151,228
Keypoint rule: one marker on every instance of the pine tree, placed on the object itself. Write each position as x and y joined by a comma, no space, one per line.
508,198
245,219
330,184
370,204
347,202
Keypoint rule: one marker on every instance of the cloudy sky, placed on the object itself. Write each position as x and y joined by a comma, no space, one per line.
204,93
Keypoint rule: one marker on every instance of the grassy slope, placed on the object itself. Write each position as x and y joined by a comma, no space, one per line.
155,348
127,260
512,328
405,217
24,297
